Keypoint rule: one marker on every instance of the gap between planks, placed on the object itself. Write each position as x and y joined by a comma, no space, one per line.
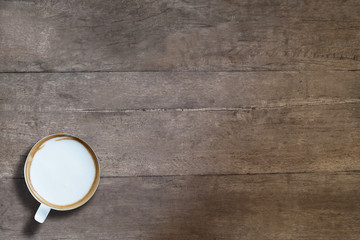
222,175
180,71
320,102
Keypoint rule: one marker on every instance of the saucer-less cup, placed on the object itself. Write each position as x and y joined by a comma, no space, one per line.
62,172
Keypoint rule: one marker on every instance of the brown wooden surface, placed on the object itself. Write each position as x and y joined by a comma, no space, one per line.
57,92
295,139
104,35
278,206
212,119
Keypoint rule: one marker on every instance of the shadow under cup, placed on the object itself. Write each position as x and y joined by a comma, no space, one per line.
46,205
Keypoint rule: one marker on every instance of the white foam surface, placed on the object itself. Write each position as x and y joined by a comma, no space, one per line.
62,172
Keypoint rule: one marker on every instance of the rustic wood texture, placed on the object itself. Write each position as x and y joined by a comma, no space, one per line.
179,35
59,92
280,206
212,119
296,139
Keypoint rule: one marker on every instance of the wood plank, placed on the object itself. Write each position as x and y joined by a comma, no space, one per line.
285,206
95,91
295,139
179,35
44,92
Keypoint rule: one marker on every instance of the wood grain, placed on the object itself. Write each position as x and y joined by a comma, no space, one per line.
211,119
280,206
295,139
124,91
135,91
179,35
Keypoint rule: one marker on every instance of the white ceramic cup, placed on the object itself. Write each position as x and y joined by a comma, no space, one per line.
62,172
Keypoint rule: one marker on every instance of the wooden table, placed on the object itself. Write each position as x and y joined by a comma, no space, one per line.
211,119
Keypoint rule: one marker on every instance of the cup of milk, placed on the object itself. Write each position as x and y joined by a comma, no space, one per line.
62,172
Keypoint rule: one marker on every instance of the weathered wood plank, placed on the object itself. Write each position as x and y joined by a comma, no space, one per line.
94,91
296,139
275,206
43,92
179,35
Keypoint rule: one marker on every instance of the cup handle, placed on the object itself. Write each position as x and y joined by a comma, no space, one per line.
42,213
